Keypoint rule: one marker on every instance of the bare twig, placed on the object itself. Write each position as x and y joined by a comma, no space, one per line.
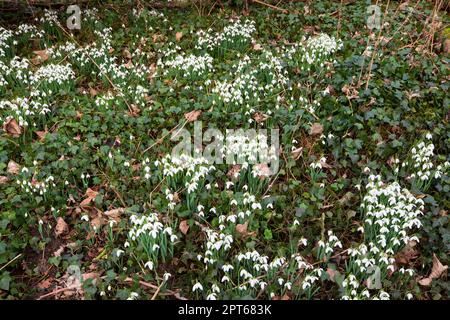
271,6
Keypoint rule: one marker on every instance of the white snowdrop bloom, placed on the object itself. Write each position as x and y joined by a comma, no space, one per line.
119,253
225,279
227,267
85,217
197,286
133,296
215,288
149,265
166,276
384,295
212,296
229,184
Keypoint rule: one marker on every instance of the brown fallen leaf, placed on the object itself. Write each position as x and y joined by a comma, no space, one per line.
129,65
407,254
3,180
284,297
436,271
242,228
233,173
184,226
331,273
127,54
257,47
61,227
41,134
178,36
296,153
316,129
44,284
115,213
446,46
41,56
263,170
193,115
135,111
59,251
260,117
93,92
91,275
13,167
90,195
97,222
11,127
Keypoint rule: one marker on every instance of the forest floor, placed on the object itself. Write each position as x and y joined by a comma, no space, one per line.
225,153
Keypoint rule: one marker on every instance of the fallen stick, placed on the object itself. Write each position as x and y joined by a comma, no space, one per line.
270,6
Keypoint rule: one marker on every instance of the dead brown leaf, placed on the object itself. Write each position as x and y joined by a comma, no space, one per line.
41,134
316,129
129,65
91,275
127,54
407,254
90,195
59,251
331,273
436,271
242,229
257,47
263,170
61,227
11,127
3,180
98,221
260,117
296,153
184,226
178,36
44,284
41,56
93,92
135,111
233,173
13,167
115,213
193,115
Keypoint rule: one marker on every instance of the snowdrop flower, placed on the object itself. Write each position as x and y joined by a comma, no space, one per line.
197,286
212,296
227,267
149,265
133,296
119,253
